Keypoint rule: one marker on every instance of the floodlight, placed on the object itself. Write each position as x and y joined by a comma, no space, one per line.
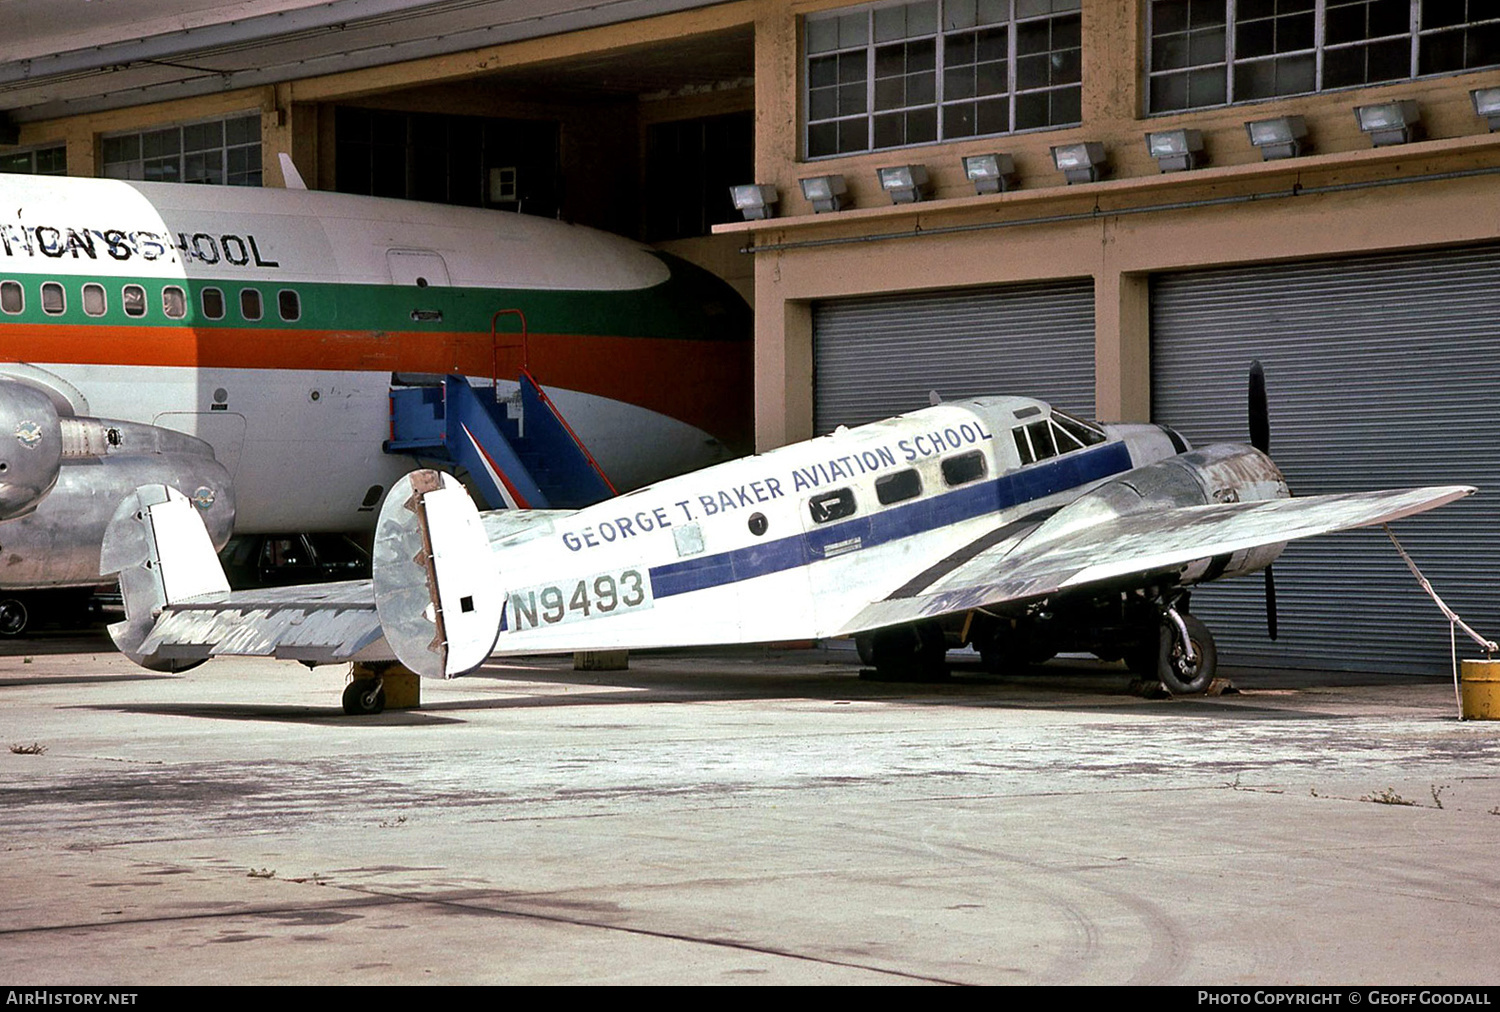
1278,138
990,173
1176,150
825,193
906,184
1487,104
1390,122
1083,162
754,200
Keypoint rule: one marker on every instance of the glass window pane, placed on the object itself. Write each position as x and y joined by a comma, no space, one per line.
250,303
93,299
213,303
289,305
53,300
174,302
133,298
12,297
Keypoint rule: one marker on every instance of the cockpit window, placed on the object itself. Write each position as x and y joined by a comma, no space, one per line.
833,505
1081,431
1041,439
964,468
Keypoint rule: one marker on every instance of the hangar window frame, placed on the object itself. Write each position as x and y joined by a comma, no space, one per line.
918,72
1203,54
221,151
39,160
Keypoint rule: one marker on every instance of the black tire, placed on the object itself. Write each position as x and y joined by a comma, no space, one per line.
364,697
909,653
1180,678
13,617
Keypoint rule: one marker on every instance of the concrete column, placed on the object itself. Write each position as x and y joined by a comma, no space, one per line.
1122,346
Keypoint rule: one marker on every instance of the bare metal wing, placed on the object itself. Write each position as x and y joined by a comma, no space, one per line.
1033,561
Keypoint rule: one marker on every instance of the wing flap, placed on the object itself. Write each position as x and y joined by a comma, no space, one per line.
1145,543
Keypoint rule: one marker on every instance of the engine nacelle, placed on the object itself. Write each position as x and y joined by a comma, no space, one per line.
1221,473
56,543
31,448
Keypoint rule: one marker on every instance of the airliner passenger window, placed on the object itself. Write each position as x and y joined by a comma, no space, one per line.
289,305
250,303
174,302
12,296
213,304
93,299
134,300
964,468
53,300
831,505
898,487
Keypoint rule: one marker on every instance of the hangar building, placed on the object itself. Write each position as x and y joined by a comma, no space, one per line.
1322,196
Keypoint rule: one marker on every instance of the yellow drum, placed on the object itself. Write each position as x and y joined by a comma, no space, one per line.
1479,697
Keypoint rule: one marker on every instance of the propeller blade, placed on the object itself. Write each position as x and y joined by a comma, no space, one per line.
1270,603
1260,416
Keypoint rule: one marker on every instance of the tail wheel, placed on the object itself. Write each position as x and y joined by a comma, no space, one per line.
1181,676
13,617
364,697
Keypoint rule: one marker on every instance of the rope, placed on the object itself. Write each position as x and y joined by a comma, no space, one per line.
1490,647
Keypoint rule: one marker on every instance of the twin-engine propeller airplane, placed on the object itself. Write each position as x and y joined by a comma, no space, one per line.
245,346
999,522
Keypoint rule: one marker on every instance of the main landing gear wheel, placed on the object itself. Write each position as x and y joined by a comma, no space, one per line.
364,697
908,653
1181,676
13,617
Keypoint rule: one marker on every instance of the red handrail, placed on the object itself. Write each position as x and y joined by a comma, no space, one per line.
495,348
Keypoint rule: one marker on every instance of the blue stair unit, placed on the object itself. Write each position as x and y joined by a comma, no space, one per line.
519,452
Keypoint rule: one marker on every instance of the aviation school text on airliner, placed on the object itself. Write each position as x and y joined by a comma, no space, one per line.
998,522
242,346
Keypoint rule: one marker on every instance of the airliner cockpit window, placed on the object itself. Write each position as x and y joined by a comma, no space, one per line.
831,505
174,302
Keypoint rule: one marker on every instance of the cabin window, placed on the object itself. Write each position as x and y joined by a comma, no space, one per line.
93,299
898,487
213,303
250,303
54,301
174,302
289,305
831,505
964,468
12,296
134,300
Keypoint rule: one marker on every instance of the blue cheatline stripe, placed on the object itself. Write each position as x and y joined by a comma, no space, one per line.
919,516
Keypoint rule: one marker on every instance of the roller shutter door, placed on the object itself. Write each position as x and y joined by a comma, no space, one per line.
880,356
1383,372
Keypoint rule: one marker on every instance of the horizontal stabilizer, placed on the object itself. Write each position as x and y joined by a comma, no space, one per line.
156,541
437,587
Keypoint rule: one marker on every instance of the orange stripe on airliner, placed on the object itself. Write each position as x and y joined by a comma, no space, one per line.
704,383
